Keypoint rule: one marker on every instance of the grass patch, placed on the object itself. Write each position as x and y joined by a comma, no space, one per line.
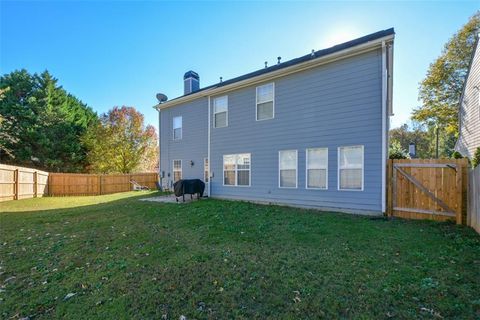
213,259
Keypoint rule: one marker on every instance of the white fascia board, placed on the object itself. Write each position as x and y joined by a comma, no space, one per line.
359,49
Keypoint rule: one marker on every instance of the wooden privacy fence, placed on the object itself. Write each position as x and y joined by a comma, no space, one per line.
74,184
433,189
473,207
20,183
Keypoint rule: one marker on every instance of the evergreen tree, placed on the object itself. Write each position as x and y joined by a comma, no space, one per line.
45,123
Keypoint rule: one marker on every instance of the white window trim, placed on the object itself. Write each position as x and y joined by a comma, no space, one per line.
296,170
338,168
273,102
306,170
236,170
214,113
176,170
173,128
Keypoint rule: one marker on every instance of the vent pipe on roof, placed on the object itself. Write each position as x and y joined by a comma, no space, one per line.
278,60
266,63
191,82
313,53
221,79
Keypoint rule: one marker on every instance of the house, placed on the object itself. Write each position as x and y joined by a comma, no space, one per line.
469,109
309,132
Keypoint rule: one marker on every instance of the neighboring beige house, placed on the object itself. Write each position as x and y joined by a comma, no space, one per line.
469,110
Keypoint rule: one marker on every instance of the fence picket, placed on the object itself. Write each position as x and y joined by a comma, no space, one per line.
428,189
20,183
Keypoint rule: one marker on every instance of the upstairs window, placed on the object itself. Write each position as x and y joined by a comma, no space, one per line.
287,164
236,170
177,128
350,168
177,170
317,168
220,112
265,102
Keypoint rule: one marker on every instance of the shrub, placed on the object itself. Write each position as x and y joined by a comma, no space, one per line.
397,152
457,155
476,158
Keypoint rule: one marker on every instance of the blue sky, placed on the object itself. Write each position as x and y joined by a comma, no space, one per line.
110,53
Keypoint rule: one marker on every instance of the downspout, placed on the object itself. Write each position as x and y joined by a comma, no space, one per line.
208,153
384,125
160,150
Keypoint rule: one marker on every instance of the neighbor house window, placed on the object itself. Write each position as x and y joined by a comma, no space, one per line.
220,112
317,168
177,170
205,169
236,169
350,168
265,103
177,128
287,163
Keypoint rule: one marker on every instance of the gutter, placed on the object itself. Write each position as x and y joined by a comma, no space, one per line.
361,48
384,124
208,152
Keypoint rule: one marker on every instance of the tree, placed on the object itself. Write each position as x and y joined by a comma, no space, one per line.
413,133
44,124
441,89
6,138
121,143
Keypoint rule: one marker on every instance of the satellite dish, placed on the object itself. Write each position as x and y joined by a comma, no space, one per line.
161,97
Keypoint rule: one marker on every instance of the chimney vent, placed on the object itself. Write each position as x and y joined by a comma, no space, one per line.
266,64
191,82
278,60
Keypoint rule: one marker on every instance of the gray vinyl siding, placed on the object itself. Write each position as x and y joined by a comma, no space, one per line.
192,146
337,104
469,138
334,105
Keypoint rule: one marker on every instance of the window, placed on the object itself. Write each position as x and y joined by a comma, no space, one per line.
350,168
220,112
177,128
205,169
177,170
265,97
317,168
236,169
287,163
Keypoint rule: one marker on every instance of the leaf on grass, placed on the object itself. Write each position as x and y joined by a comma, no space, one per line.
68,296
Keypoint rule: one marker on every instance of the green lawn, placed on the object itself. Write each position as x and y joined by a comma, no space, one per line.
124,258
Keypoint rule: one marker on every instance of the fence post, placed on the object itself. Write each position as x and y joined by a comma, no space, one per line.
16,185
459,190
99,184
35,184
389,187
49,184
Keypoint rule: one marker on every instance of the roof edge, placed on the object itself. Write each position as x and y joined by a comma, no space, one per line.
340,51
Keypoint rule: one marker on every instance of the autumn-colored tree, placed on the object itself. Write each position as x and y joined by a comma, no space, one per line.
441,89
121,143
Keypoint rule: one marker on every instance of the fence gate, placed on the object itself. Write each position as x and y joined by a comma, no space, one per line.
426,189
